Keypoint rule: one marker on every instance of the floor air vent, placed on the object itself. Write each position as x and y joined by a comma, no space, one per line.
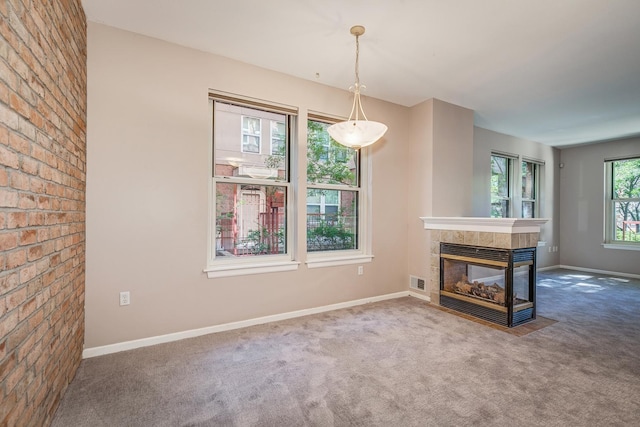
416,283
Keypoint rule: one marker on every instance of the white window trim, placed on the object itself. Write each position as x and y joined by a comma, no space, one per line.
217,267
538,170
243,269
515,203
515,184
623,246
609,233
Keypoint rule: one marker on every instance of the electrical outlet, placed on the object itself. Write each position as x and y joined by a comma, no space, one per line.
360,270
125,298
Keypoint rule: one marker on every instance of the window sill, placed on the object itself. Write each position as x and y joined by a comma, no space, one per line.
214,272
626,247
319,262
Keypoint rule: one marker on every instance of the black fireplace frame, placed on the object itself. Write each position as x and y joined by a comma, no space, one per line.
508,315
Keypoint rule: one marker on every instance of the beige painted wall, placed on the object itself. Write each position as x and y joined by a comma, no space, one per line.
582,208
484,142
441,168
147,193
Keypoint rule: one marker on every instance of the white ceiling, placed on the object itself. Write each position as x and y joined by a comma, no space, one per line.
560,72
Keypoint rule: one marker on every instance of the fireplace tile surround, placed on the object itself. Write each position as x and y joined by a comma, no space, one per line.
502,233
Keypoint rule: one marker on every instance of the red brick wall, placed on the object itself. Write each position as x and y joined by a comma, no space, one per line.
42,204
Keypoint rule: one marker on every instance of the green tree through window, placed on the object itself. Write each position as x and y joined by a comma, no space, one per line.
332,191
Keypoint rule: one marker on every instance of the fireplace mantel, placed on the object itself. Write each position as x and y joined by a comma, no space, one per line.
491,225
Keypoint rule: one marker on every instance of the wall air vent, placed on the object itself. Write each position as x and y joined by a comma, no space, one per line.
416,283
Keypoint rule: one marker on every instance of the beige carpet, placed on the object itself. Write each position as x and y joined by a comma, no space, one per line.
395,363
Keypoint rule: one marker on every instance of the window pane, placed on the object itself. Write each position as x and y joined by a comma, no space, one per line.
250,219
251,134
335,226
626,179
528,209
500,208
627,221
237,143
626,204
499,176
500,188
277,138
327,161
528,180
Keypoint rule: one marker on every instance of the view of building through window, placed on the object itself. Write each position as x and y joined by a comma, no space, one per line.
252,189
253,184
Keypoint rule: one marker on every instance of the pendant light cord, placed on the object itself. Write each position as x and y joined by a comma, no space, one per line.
357,105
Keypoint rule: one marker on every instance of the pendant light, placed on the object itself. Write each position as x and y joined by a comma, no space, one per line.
355,132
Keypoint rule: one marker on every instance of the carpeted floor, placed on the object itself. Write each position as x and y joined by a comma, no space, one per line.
396,363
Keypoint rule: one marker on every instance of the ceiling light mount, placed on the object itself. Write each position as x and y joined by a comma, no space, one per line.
357,30
356,133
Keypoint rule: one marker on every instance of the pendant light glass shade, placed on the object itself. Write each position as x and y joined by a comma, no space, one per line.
357,133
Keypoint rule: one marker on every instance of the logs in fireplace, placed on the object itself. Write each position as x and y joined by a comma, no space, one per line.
493,284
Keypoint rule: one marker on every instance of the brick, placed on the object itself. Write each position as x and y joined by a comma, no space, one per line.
17,219
8,241
4,89
34,253
8,198
8,283
28,237
7,116
19,181
9,158
19,143
16,259
26,201
15,299
19,105
28,165
8,323
27,309
15,377
7,366
28,273
42,184
18,335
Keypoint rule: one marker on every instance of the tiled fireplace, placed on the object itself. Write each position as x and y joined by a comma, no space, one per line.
485,267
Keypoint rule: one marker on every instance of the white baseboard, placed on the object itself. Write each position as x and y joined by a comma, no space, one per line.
551,267
597,271
420,296
591,270
160,339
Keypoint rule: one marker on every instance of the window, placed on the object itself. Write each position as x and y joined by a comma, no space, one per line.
277,138
253,217
530,172
623,202
252,190
251,134
333,192
501,192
